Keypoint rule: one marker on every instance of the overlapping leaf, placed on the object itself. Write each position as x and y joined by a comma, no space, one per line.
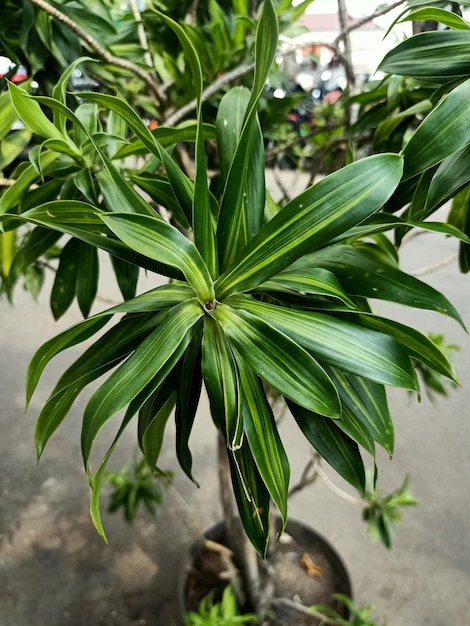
338,202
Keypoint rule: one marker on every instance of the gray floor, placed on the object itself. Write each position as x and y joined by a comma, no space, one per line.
56,571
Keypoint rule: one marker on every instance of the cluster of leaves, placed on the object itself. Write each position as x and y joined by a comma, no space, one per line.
135,485
423,98
259,295
223,613
329,616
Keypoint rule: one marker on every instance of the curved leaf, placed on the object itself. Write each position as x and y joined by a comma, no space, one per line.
364,276
338,342
151,361
339,450
443,132
263,437
279,361
335,204
162,242
439,55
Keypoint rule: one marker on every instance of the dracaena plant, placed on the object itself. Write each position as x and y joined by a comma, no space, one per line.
259,297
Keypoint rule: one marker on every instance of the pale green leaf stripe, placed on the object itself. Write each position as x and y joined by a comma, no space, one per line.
366,401
221,380
311,280
444,131
338,202
71,337
33,117
279,361
152,361
154,300
163,242
446,18
264,440
438,54
338,342
82,220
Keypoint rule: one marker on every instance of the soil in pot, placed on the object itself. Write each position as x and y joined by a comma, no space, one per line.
306,570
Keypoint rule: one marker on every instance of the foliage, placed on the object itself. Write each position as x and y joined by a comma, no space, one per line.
223,613
256,295
330,617
382,513
136,485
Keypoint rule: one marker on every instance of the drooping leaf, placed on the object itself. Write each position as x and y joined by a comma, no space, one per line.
252,497
221,381
365,401
153,417
158,240
189,383
338,342
339,450
338,202
64,288
446,18
87,277
279,360
152,361
264,440
364,276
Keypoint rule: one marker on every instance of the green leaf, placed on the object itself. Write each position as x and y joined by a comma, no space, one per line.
221,380
451,20
13,145
364,276
153,417
64,288
71,337
152,361
263,437
158,240
451,175
127,276
443,132
278,360
441,55
189,383
334,446
31,114
337,342
252,497
416,344
335,204
365,402
233,225
102,356
87,277
181,185
310,280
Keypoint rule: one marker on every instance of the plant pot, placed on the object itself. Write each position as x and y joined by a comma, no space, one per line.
307,570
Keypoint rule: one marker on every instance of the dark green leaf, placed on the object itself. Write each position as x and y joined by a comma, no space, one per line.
64,288
152,361
278,360
335,204
263,438
158,240
334,446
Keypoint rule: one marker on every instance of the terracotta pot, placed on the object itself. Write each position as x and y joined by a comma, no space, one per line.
307,570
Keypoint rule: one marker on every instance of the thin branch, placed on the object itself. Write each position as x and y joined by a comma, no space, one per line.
178,115
103,54
141,33
368,18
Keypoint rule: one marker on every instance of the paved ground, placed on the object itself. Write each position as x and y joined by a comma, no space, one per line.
56,571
